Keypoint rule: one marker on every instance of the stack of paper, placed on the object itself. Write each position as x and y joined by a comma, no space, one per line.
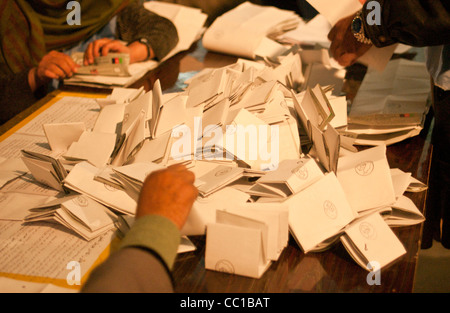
81,180
45,169
390,106
245,31
86,217
246,240
133,176
372,243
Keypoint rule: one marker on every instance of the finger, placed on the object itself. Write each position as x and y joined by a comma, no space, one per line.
54,71
98,44
114,45
49,74
89,54
66,64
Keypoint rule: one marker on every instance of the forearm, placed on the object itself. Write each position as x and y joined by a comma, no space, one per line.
143,262
136,22
412,22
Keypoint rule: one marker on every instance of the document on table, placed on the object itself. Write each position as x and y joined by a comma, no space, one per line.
45,251
68,109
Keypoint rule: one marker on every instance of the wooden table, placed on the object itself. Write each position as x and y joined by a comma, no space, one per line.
330,271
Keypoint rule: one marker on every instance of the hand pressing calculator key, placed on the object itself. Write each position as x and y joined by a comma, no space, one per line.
113,64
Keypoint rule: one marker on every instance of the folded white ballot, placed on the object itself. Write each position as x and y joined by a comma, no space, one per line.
315,215
326,147
291,177
81,179
94,147
275,216
45,169
371,243
134,128
237,245
110,118
204,209
366,179
218,178
403,213
61,135
79,213
132,176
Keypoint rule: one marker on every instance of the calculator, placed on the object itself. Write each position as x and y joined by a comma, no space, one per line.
113,64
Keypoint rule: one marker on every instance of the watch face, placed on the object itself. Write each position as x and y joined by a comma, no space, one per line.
356,25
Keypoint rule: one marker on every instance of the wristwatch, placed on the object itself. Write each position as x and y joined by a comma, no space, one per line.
147,44
358,29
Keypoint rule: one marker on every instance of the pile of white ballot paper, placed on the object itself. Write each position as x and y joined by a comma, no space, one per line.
269,161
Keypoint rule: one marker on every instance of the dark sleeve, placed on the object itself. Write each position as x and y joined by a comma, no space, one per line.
412,22
136,22
130,270
15,95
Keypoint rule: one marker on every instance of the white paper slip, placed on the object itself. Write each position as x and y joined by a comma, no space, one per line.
110,118
319,212
275,216
370,240
400,181
45,169
204,209
236,250
218,178
81,179
403,213
291,177
94,147
366,179
61,135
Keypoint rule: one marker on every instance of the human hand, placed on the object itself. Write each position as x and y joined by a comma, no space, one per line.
169,193
345,49
101,47
54,65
